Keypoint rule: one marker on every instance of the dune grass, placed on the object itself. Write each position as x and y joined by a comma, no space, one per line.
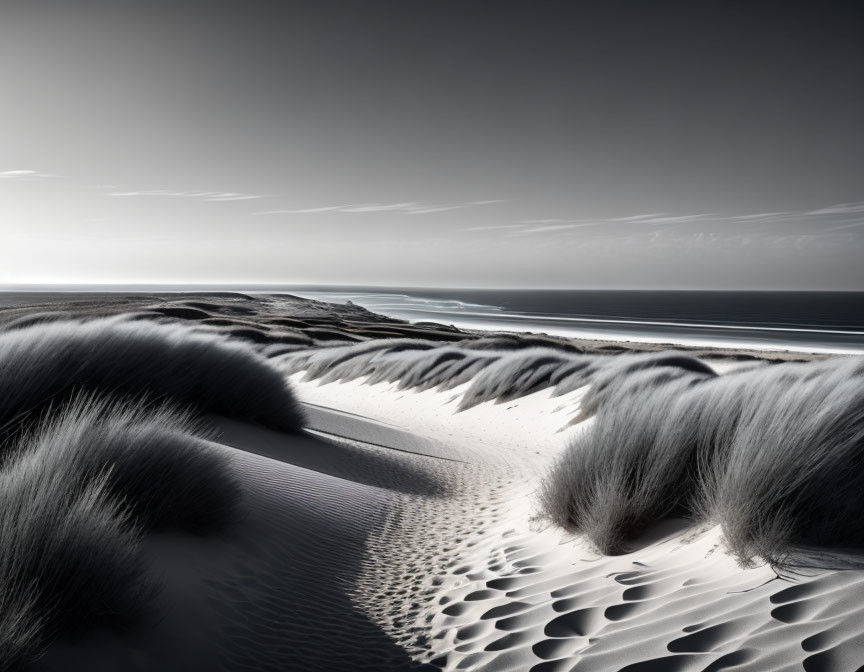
103,442
794,473
774,455
69,559
76,496
769,452
47,363
154,460
632,465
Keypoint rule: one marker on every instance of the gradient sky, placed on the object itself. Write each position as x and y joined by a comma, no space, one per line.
433,142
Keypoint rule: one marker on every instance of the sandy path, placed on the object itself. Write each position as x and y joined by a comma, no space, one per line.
477,584
425,545
495,462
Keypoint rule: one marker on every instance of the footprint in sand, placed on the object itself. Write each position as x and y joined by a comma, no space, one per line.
579,623
510,641
731,660
704,640
551,649
619,612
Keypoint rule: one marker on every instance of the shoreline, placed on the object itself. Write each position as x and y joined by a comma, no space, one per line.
90,304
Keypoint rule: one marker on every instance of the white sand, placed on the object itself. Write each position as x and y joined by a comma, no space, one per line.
429,539
506,592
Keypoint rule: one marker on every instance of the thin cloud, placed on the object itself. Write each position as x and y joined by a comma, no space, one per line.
674,219
440,208
375,207
840,217
851,225
840,209
211,196
660,218
765,215
24,175
406,208
232,197
635,218
551,227
493,227
326,208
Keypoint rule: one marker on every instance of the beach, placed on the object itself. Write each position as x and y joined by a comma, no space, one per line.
421,511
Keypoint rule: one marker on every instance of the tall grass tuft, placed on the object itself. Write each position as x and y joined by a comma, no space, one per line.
49,363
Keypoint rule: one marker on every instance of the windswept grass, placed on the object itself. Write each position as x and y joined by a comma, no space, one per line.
102,443
48,363
154,460
75,497
634,463
69,559
794,473
773,454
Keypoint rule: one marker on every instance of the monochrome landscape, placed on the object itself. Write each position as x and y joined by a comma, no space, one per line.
455,335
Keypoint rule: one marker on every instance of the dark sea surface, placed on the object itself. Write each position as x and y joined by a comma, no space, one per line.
810,321
832,321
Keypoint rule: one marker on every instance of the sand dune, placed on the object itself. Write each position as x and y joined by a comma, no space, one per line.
519,594
272,593
404,527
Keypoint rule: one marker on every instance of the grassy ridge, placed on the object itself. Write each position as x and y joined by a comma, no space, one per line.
47,363
103,442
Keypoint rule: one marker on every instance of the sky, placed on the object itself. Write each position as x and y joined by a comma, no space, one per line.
442,143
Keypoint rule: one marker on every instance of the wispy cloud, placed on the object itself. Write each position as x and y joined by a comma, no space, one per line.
844,216
851,225
406,208
660,218
841,209
635,218
24,175
555,227
197,195
439,208
493,227
377,207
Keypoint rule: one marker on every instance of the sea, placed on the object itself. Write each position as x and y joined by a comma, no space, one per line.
817,321
772,320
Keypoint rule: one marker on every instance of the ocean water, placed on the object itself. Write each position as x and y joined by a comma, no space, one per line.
809,321
805,321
